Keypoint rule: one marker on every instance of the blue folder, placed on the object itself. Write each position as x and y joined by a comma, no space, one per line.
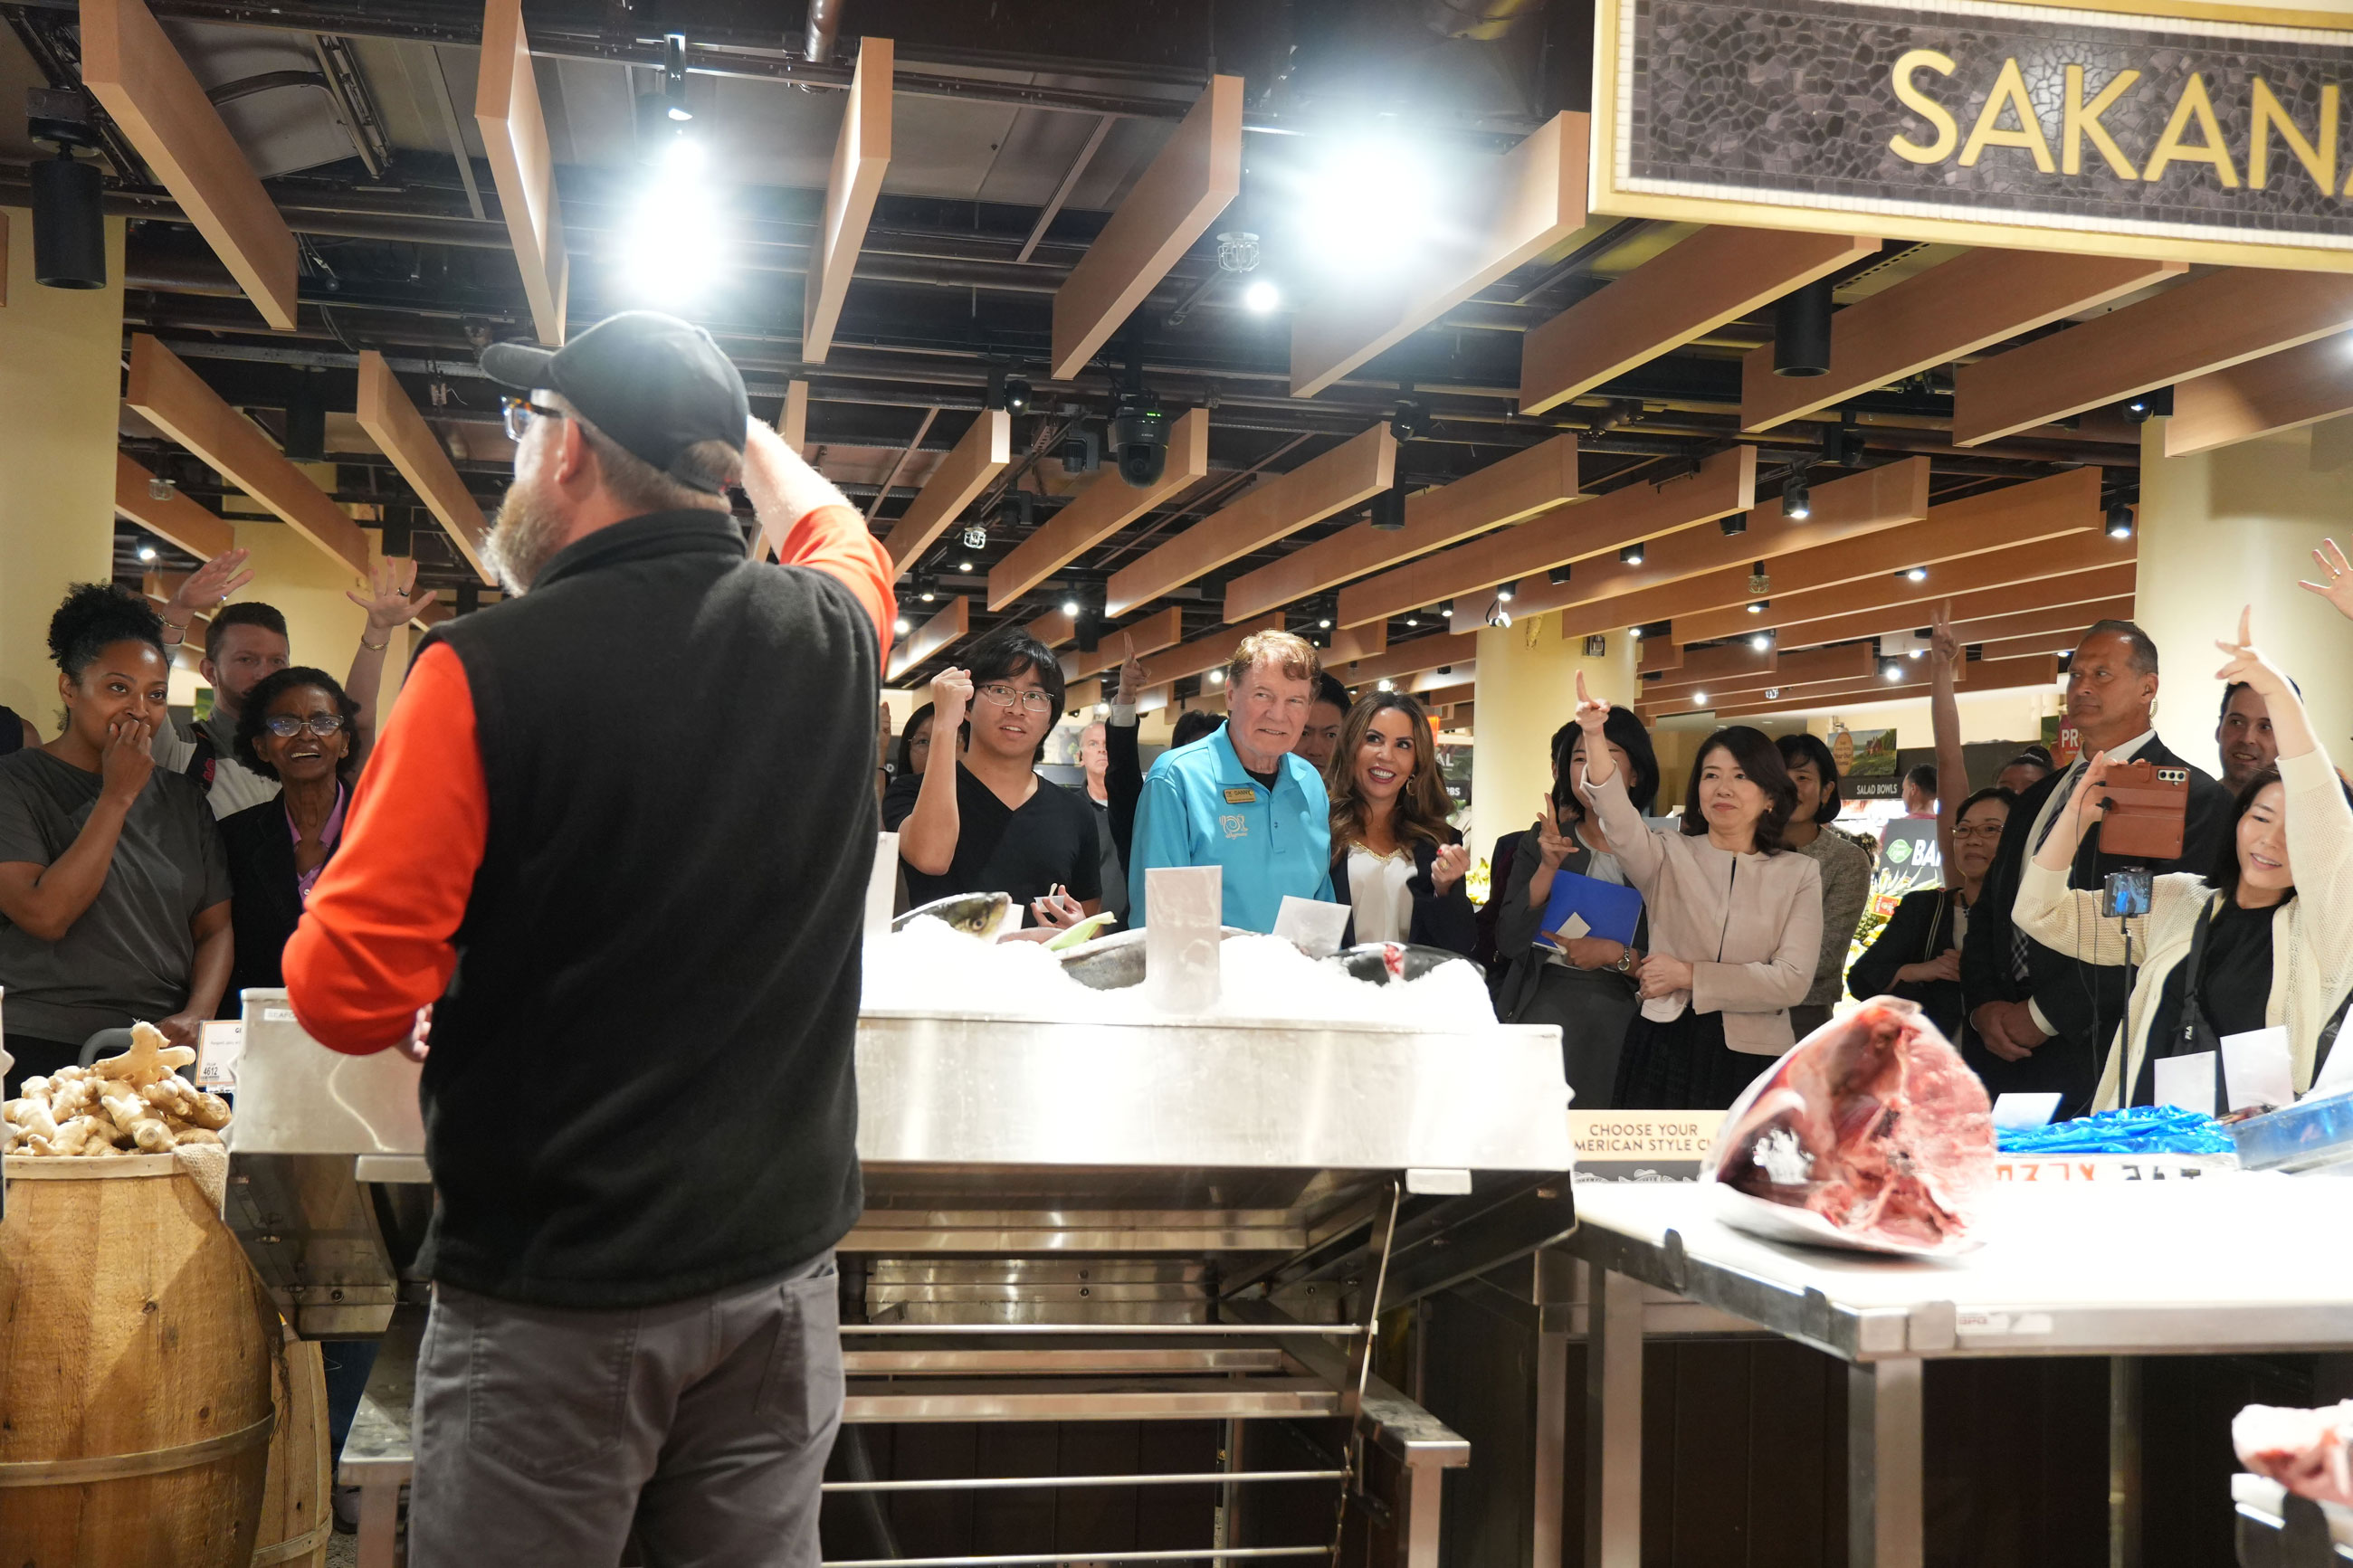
1610,909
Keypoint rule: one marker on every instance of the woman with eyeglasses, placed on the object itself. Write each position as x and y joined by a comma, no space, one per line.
298,727
989,824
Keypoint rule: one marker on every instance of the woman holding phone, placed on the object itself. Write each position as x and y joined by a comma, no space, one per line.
2236,950
1735,920
1585,984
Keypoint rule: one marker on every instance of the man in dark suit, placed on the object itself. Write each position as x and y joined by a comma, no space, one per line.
2044,1018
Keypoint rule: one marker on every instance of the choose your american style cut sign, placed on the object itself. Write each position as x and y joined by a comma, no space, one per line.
1981,123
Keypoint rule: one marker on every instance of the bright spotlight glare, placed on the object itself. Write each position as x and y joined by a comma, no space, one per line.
676,241
1760,642
146,553
1217,678
1366,207
1261,297
1699,699
1071,608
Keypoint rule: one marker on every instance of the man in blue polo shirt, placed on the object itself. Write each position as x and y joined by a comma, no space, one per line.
1238,799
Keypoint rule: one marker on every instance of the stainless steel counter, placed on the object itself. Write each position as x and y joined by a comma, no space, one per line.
1064,1222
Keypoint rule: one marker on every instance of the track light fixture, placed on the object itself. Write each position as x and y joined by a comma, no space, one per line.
1007,391
674,77
1797,501
927,588
1762,642
1801,331
2120,521
1631,555
147,550
1733,524
68,217
2148,406
1388,509
1497,615
1558,575
1504,594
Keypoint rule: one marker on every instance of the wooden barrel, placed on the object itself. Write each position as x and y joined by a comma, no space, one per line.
297,1516
137,1355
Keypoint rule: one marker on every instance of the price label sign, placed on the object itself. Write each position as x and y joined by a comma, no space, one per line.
218,1050
1641,1145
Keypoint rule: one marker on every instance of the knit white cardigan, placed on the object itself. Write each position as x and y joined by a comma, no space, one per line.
2311,934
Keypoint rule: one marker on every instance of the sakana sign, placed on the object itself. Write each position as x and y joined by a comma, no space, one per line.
1973,122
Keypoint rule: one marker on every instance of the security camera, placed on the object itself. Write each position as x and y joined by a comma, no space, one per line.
1139,440
1081,451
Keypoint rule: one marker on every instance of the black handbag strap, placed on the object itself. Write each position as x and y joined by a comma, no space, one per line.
2194,1033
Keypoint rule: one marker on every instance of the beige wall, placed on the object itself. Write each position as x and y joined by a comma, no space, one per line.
60,381
2232,526
1525,688
309,587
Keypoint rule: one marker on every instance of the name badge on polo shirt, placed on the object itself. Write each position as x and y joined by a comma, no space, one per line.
1240,796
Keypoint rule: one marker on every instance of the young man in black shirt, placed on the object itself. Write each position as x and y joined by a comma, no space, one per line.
989,824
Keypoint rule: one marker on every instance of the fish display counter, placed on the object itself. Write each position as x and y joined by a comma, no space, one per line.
1080,1208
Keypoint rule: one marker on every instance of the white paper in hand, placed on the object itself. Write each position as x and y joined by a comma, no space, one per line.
1576,927
2257,1066
1310,925
2187,1081
2020,1112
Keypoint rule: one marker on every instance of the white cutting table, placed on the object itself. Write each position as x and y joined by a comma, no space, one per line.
2236,1262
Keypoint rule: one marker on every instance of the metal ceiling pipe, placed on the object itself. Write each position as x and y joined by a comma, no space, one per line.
824,27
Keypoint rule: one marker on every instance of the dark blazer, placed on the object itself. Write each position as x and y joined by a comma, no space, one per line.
1446,922
1486,952
265,905
1518,923
2084,1002
1920,929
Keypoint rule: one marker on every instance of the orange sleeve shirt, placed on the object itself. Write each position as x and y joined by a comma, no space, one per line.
377,942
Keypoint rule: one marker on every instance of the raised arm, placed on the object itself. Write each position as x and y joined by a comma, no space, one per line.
1944,719
1124,754
810,524
2068,919
1600,788
390,600
927,838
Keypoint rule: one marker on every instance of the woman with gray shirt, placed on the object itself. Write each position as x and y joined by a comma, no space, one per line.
1585,984
1846,869
1735,920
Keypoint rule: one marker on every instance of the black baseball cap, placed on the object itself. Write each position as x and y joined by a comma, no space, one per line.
654,383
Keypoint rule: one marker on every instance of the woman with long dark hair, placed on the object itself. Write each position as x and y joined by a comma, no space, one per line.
115,894
1845,868
1396,861
1735,920
1584,984
2241,948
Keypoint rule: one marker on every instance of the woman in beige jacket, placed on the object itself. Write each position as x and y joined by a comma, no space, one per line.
1735,919
2270,957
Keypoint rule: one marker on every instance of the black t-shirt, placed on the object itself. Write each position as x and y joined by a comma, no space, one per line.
1023,854
1265,780
2234,992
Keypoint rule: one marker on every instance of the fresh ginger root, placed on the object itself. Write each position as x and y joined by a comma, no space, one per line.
128,1104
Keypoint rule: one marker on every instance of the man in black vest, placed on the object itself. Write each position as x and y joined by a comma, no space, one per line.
643,963
2042,1018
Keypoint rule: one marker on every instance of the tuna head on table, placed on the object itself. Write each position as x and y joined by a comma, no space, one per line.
1870,1133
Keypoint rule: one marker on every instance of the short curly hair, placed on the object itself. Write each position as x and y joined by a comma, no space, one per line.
95,616
255,714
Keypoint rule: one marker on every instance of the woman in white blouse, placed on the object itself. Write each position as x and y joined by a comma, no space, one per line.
1395,861
1735,919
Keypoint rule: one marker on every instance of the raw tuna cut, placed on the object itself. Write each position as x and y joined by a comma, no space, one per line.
2310,1452
1872,1133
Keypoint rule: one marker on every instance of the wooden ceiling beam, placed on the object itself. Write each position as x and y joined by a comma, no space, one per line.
1519,487
1531,200
1053,628
1659,653
1410,657
1274,508
978,457
1846,507
942,630
514,136
1350,644
2021,566
2285,391
175,518
133,69
1715,662
1990,675
1106,505
1977,299
1714,276
400,432
175,400
1150,634
1206,652
1195,178
2064,504
862,156
1848,661
1725,484
2011,610
2207,324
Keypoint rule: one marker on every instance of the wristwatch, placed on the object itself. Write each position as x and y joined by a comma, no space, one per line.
1625,965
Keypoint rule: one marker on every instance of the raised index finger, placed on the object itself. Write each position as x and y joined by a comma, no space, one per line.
2245,636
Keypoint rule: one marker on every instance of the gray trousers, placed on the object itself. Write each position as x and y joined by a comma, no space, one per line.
542,1432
